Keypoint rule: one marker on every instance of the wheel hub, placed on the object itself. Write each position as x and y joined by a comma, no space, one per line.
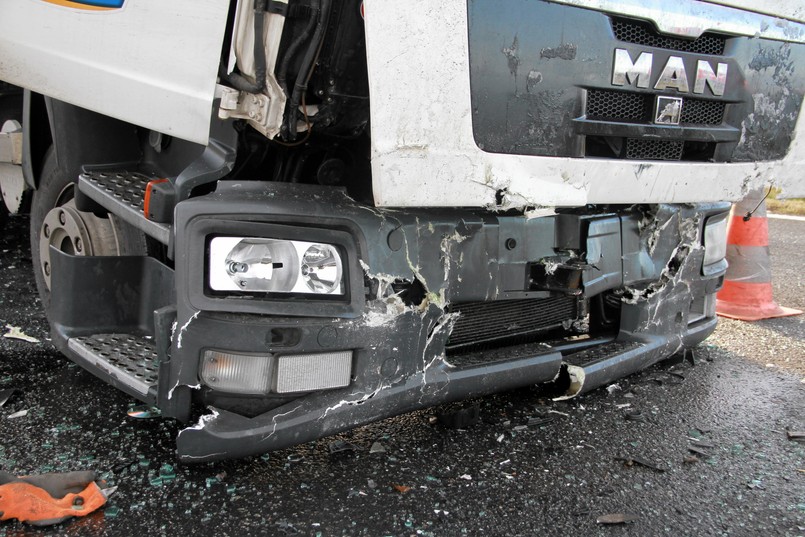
76,233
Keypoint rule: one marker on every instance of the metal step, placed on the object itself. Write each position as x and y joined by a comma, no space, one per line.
122,193
128,359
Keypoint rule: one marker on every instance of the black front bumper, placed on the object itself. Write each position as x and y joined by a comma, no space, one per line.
410,276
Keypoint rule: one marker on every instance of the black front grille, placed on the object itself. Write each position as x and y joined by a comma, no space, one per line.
642,149
484,322
643,33
604,105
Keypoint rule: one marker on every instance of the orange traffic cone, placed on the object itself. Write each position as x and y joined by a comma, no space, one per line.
747,294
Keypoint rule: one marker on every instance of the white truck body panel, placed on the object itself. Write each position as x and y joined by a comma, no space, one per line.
424,153
152,62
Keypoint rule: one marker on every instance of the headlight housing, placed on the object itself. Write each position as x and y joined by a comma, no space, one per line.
268,265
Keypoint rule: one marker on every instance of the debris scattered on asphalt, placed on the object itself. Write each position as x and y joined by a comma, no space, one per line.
615,518
698,451
755,484
632,414
565,414
459,415
468,477
690,459
15,332
340,446
7,394
144,412
377,447
402,489
20,414
638,461
538,422
797,436
371,483
612,388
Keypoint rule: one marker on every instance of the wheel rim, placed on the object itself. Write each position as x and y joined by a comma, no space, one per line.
75,233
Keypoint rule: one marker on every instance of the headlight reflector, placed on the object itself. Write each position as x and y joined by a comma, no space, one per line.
268,265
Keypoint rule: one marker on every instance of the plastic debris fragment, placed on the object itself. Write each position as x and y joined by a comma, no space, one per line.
538,422
20,414
377,447
143,412
797,436
616,518
340,446
14,332
7,394
402,488
638,461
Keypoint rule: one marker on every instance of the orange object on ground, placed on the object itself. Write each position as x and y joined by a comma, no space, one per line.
747,292
34,505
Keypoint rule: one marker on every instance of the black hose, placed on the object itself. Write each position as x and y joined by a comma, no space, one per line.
260,70
306,68
282,70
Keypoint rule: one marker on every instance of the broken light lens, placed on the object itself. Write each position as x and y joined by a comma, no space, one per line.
275,266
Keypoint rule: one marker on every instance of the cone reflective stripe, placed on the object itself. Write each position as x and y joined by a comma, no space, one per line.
747,292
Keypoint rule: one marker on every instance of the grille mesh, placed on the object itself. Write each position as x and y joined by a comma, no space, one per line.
637,148
481,322
627,106
701,112
643,33
619,105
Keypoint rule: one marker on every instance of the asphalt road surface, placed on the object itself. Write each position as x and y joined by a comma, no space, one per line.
624,450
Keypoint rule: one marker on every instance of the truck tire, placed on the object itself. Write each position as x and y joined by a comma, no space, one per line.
56,221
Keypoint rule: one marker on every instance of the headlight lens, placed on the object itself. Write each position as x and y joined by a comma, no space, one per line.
274,266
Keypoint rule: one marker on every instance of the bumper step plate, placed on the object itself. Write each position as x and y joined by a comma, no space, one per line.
127,360
123,193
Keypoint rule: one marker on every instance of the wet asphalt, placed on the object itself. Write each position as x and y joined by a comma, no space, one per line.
529,467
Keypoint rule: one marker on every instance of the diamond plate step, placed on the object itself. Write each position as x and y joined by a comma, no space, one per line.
131,360
122,193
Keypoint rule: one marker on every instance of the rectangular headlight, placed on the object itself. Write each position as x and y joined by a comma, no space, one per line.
251,264
715,240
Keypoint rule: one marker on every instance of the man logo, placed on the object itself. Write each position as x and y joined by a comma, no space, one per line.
668,111
673,75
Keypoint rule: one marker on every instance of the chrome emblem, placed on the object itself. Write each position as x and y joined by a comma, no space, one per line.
668,110
672,76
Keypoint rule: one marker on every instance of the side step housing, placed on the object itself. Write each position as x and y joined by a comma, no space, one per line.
102,313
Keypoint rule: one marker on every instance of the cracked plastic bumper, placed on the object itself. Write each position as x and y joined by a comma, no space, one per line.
225,434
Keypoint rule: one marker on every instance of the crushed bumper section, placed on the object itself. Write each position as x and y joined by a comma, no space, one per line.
601,293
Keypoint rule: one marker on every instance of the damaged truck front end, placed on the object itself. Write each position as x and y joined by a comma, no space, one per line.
540,202
424,307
